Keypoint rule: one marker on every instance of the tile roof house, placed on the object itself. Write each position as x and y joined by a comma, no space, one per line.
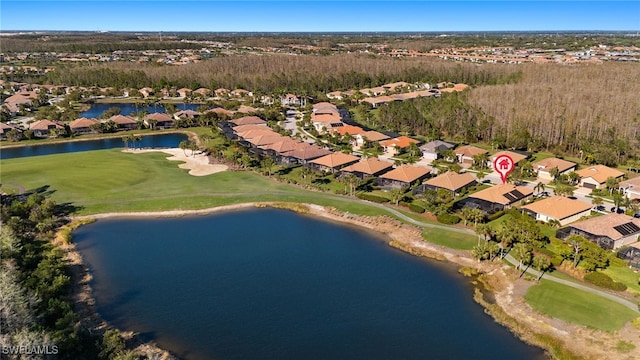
158,120
433,149
221,111
83,125
368,167
450,180
325,121
45,128
347,129
124,122
610,231
369,136
247,120
466,153
544,166
517,157
280,147
496,198
334,161
595,176
403,176
5,128
303,154
631,188
559,208
265,139
390,146
186,114
244,109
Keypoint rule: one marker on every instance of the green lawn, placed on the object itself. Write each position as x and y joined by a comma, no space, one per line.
450,239
578,306
113,181
624,275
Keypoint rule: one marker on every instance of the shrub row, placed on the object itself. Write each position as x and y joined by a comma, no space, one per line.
372,197
416,208
605,281
448,219
496,215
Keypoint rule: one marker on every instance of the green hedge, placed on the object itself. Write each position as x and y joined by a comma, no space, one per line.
496,215
603,280
372,197
416,208
448,219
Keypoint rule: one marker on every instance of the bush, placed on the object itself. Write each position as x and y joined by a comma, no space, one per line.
416,208
496,215
556,260
448,219
605,281
372,197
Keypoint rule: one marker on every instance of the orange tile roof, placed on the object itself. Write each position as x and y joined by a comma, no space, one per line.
326,118
284,145
335,159
469,151
400,141
374,136
243,128
347,129
451,180
550,163
307,152
369,166
406,173
220,111
160,117
83,123
43,125
558,207
246,109
604,225
266,139
631,183
496,194
250,134
248,120
122,119
599,173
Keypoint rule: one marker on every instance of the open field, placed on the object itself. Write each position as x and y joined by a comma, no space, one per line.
578,306
452,240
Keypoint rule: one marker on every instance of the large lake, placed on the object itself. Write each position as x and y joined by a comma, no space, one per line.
272,284
128,109
150,141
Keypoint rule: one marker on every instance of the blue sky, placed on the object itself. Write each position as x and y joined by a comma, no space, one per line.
319,16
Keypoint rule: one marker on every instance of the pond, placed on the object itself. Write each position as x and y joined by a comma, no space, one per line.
132,109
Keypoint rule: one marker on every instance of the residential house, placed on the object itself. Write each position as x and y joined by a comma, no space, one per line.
450,180
544,167
186,114
466,153
378,100
517,157
303,154
203,92
336,95
323,122
370,136
368,167
158,120
496,198
403,176
595,176
146,92
124,122
244,109
264,140
631,188
610,231
222,112
347,129
46,128
325,108
221,92
240,93
5,128
397,86
248,120
83,126
184,92
433,149
334,161
291,99
558,208
276,149
395,145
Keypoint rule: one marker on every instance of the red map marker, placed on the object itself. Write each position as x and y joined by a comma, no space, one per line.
503,165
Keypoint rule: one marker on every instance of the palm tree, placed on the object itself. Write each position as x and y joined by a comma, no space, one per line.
611,184
485,231
184,145
617,200
542,264
125,140
397,194
554,172
493,249
523,254
540,187
268,163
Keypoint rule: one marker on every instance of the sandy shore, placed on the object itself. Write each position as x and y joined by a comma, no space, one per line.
508,289
198,164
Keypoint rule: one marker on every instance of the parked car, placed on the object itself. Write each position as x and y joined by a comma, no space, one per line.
637,216
600,208
620,211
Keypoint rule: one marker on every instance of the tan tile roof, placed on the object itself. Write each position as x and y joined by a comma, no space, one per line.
335,159
160,117
43,125
374,136
549,163
221,111
83,123
248,120
190,114
122,119
307,152
246,109
496,194
369,166
558,207
514,155
4,127
406,173
243,128
604,225
451,180
599,173
469,151
266,139
400,141
284,145
631,183
250,134
326,118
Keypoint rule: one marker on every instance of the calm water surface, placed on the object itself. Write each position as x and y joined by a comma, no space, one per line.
149,141
131,109
271,284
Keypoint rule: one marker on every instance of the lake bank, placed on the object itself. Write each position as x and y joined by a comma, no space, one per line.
505,285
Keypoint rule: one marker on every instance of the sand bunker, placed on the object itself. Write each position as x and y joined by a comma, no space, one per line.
197,165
